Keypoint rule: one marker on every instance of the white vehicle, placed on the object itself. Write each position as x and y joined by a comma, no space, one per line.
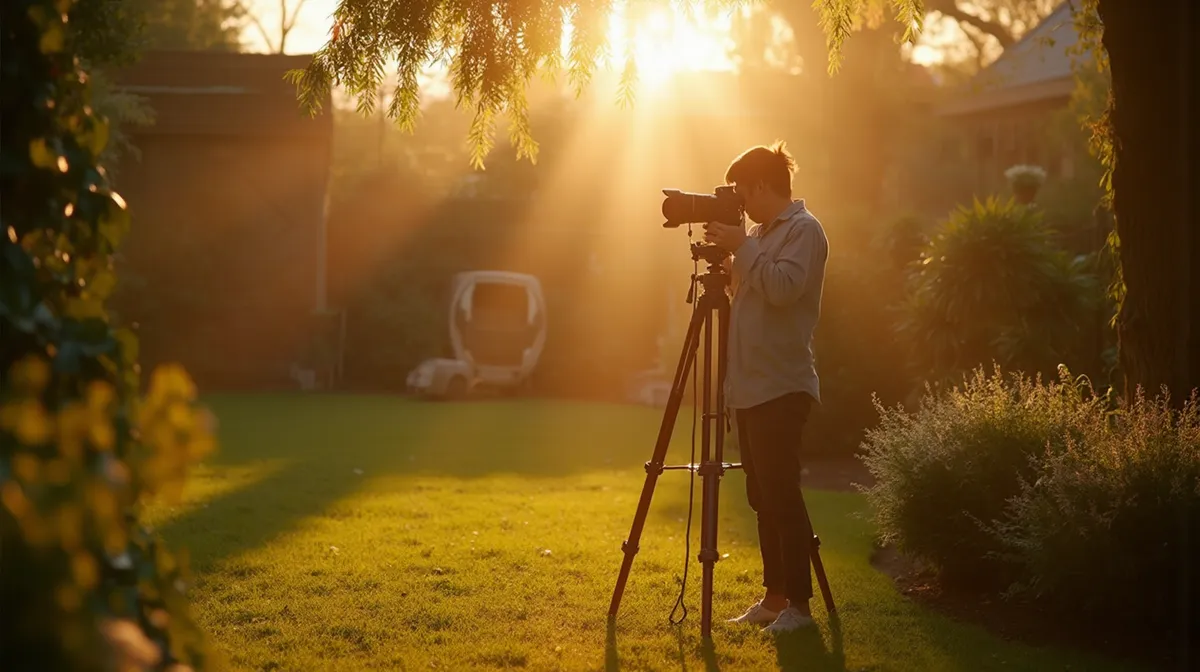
498,331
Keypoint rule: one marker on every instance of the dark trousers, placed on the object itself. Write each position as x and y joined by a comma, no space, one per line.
769,439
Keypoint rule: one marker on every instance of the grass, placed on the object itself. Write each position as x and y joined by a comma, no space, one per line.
352,533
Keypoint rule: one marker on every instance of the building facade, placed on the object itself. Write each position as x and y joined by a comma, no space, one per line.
225,264
1004,117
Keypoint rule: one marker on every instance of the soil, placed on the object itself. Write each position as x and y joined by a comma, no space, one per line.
1014,621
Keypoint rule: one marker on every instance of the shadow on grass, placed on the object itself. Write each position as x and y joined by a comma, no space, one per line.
805,649
533,438
706,649
328,445
612,662
802,650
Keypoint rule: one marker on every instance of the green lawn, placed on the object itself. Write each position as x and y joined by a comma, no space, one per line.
350,533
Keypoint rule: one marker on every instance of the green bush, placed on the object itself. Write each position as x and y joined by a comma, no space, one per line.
945,473
1047,493
82,585
1104,525
993,285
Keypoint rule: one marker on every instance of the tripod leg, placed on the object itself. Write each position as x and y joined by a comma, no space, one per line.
712,468
822,580
819,566
655,465
710,474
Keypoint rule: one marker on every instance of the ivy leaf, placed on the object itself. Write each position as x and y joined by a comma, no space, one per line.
84,308
53,39
127,343
41,155
102,284
114,223
97,139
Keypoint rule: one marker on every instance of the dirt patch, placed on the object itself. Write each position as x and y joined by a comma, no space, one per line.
1016,621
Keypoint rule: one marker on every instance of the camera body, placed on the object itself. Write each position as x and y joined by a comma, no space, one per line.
682,207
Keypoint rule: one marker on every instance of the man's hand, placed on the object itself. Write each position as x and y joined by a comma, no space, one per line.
728,238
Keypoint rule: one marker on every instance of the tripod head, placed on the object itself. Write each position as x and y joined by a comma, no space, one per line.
710,253
714,279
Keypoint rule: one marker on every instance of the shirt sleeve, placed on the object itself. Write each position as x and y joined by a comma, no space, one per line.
781,280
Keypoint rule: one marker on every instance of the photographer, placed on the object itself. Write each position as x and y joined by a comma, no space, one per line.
778,271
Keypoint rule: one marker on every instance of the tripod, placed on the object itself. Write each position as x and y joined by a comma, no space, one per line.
712,300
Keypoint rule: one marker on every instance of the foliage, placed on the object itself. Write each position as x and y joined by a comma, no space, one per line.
992,25
992,285
116,32
906,238
191,24
1093,102
107,32
80,451
111,34
1114,508
1076,502
947,470
494,50
122,109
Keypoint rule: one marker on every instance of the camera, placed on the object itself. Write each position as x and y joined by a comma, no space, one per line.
681,207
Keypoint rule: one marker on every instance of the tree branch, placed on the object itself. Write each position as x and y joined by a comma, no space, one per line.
951,9
262,30
286,24
977,42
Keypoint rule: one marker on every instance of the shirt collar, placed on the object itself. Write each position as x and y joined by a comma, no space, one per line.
796,207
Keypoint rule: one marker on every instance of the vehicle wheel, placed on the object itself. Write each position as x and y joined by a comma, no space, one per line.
456,388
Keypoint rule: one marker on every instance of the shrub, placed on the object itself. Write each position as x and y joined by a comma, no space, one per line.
945,473
992,285
82,586
1104,525
1047,493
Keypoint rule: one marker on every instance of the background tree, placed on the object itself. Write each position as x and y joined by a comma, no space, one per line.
276,39
114,32
1147,140
190,24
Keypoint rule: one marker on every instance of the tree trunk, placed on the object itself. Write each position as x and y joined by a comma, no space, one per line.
1150,53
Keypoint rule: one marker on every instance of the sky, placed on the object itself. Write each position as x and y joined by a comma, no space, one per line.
310,33
312,30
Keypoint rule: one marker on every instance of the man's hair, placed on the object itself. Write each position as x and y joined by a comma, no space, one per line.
771,165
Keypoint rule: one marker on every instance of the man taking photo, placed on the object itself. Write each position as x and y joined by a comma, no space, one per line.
778,272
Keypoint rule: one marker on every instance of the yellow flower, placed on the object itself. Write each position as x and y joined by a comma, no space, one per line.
28,421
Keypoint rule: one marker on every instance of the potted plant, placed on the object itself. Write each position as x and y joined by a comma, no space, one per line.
1025,181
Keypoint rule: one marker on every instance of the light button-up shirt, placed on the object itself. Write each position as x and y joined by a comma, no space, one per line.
777,278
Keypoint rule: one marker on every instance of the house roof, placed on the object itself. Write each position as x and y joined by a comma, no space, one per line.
222,93
1037,68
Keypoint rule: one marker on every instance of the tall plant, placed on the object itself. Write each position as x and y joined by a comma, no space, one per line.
991,285
80,449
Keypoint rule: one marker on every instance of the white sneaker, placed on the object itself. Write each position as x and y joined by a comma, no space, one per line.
788,620
756,614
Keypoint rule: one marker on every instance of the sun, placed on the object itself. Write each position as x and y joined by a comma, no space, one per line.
670,40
